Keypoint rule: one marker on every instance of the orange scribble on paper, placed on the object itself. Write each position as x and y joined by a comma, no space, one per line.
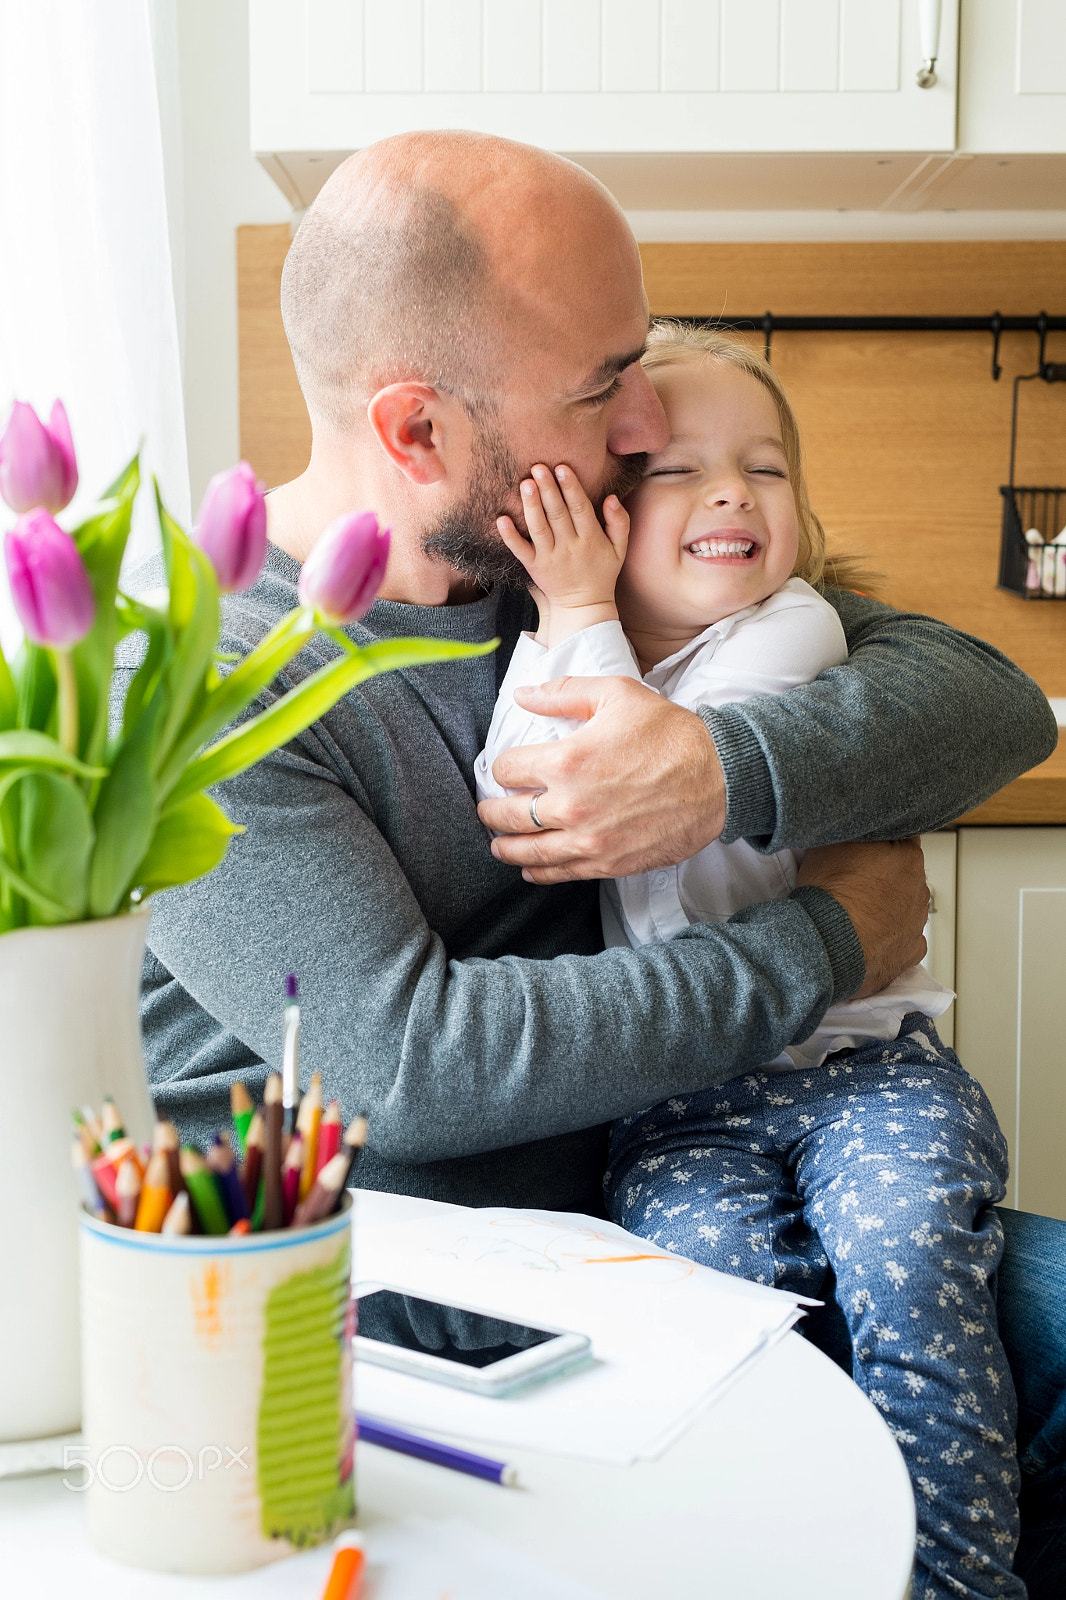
207,1296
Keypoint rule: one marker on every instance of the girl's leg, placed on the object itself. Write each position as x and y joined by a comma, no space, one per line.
703,1175
898,1169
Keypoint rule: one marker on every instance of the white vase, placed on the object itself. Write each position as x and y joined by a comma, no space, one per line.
69,1034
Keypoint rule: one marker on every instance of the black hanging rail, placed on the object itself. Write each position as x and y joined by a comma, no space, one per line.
996,324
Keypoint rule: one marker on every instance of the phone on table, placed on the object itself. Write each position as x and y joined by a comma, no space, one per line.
460,1345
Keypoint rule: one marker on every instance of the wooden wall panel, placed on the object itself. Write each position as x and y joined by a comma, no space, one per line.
906,435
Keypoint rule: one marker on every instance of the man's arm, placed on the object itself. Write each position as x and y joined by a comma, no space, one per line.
921,724
454,1057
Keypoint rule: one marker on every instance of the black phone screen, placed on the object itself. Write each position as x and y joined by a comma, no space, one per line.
448,1332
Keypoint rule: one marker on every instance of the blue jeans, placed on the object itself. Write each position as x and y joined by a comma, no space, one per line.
880,1167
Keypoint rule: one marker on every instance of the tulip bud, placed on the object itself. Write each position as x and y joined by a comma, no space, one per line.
49,584
343,573
231,527
37,462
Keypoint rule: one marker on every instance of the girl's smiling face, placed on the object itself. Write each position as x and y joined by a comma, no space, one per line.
714,523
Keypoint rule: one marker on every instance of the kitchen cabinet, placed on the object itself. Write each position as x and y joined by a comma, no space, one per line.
1012,72
1009,1024
940,850
595,76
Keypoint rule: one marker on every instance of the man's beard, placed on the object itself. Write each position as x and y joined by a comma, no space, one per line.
466,537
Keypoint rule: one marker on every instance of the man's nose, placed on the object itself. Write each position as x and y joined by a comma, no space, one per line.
638,421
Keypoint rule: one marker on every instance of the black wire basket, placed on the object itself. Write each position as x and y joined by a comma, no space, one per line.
1032,552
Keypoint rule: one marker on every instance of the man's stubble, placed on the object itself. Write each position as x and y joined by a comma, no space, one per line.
466,538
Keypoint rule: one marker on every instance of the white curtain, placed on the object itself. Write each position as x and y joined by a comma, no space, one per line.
87,306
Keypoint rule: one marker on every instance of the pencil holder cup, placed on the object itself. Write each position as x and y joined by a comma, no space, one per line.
218,1423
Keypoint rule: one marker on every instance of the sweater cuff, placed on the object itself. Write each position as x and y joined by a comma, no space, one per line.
837,933
751,808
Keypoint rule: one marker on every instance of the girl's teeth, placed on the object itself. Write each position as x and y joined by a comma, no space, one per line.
722,547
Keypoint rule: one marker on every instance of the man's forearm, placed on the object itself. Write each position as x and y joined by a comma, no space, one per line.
453,1057
921,724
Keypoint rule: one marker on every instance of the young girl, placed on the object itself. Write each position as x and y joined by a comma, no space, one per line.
863,1161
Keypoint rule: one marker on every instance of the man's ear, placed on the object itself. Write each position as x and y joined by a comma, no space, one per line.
412,422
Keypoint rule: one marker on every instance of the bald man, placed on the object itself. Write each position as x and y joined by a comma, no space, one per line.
458,308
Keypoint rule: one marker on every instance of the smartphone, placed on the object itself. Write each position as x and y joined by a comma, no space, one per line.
459,1345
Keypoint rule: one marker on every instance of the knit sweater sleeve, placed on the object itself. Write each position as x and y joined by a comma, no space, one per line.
921,724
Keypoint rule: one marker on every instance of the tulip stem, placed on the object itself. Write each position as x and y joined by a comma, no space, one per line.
67,681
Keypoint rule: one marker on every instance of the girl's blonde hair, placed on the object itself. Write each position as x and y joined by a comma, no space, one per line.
673,343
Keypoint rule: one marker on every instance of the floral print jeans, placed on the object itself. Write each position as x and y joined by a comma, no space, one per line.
877,1170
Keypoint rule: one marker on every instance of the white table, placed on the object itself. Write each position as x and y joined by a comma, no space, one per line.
789,1484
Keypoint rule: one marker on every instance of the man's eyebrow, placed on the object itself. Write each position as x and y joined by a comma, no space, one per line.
608,369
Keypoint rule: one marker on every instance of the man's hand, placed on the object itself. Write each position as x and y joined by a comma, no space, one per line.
639,787
882,888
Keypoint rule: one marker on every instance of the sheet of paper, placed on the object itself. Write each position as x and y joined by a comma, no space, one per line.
420,1559
667,1335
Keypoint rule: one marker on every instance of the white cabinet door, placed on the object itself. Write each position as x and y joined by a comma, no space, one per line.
1012,94
939,850
591,76
1010,1024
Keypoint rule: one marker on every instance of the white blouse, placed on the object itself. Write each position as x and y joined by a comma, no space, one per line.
787,639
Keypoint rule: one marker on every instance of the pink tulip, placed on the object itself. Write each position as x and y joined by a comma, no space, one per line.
231,527
49,584
37,462
343,573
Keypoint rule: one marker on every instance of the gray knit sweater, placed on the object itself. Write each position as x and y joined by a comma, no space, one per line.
476,1018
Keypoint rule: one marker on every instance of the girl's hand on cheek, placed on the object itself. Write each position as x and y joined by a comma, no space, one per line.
570,558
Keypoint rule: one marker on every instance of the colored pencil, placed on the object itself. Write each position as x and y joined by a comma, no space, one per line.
345,1581
252,1164
291,1172
223,1164
290,1053
156,1196
127,1192
329,1135
84,1128
104,1176
203,1191
119,1150
111,1122
165,1138
91,1198
274,1112
178,1219
443,1455
91,1121
242,1111
309,1123
240,1227
325,1192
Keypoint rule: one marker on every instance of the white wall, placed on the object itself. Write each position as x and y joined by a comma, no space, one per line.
221,186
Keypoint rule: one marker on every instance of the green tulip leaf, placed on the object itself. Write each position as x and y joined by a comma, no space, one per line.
55,845
224,703
190,840
9,700
27,747
194,620
312,698
125,813
101,541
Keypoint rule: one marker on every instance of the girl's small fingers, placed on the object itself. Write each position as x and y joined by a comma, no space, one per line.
578,503
516,542
553,502
616,522
533,511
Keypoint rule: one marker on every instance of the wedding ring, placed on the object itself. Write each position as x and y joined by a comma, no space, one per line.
533,812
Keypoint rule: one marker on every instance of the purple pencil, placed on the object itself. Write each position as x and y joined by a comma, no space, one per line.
442,1455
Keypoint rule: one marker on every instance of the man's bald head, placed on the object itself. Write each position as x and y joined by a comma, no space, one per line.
423,258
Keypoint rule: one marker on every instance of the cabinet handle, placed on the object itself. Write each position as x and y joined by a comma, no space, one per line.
929,35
